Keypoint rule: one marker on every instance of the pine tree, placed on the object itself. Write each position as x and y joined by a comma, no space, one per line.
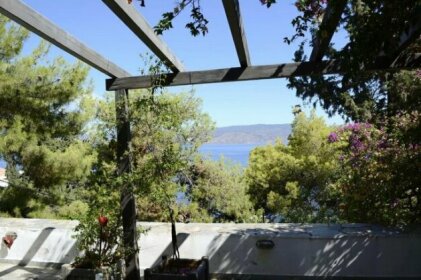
43,115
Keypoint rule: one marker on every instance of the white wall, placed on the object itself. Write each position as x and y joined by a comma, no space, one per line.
38,241
300,250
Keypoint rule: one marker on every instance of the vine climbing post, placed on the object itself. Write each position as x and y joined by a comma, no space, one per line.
128,203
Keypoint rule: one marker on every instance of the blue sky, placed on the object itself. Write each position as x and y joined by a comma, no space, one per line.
240,103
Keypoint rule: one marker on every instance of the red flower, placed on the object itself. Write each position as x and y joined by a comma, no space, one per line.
103,221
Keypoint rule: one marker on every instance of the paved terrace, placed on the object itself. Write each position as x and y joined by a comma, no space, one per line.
14,272
355,251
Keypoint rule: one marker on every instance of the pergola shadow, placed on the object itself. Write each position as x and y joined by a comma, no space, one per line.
29,255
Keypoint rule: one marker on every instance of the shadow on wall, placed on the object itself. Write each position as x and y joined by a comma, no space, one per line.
237,252
168,251
34,248
298,252
36,245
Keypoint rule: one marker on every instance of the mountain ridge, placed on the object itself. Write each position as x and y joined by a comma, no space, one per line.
258,134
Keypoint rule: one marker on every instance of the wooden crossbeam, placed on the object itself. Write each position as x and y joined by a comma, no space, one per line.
232,11
255,73
327,28
140,27
33,21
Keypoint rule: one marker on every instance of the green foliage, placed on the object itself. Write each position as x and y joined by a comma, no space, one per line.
12,38
44,109
368,173
167,131
268,165
17,201
55,203
404,89
5,215
380,177
294,180
197,26
374,28
380,163
101,245
219,189
74,210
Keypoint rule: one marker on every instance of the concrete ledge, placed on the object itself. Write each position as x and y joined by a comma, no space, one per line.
356,251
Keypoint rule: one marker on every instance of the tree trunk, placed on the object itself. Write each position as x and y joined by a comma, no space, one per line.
127,203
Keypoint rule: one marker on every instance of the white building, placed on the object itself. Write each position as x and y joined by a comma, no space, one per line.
3,180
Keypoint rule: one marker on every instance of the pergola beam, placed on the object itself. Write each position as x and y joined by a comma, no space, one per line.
140,27
35,22
327,28
255,73
232,11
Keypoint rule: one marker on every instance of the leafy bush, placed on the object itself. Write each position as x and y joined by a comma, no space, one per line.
74,210
101,243
380,180
294,180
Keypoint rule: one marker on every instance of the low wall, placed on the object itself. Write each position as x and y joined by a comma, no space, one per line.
39,242
298,250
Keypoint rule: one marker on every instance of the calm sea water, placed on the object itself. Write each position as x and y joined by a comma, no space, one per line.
238,153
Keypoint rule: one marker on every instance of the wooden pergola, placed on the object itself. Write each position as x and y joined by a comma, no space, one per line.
121,81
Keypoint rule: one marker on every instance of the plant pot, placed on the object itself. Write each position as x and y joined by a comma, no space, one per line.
69,272
179,269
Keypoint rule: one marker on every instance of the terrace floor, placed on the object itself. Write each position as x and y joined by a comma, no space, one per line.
15,272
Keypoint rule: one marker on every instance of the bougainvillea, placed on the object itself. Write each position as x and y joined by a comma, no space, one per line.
380,180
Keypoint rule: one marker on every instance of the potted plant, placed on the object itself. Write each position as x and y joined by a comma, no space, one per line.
99,239
179,269
176,268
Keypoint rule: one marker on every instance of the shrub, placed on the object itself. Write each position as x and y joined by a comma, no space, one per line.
380,177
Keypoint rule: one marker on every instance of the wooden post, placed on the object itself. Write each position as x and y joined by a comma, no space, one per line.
127,202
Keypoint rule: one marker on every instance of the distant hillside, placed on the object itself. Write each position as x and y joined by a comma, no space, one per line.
251,134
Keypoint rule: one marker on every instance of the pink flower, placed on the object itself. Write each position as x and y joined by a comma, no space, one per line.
333,137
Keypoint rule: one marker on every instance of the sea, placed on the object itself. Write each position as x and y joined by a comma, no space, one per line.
237,153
